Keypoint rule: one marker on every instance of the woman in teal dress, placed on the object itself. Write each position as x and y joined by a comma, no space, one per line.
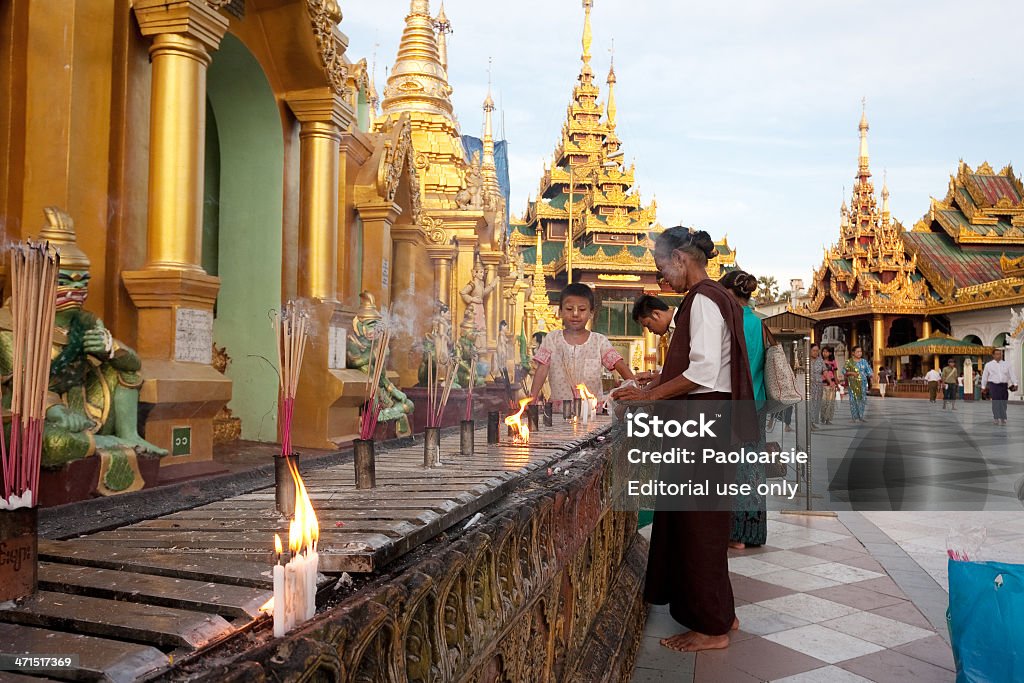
750,519
858,373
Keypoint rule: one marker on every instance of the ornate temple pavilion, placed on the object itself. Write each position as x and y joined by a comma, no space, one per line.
588,188
957,272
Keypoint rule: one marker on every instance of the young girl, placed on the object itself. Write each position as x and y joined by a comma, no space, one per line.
575,355
830,383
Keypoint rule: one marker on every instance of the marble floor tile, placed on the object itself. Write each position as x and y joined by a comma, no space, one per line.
760,658
826,674
797,580
860,598
754,590
760,620
749,566
905,612
890,665
841,573
877,629
824,643
809,608
933,650
790,559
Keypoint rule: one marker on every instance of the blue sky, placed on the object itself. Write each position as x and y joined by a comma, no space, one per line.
742,116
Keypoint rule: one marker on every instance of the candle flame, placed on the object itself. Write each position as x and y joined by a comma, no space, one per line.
277,544
268,606
304,529
586,395
520,432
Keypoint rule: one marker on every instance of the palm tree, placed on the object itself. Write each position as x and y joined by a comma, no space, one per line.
767,289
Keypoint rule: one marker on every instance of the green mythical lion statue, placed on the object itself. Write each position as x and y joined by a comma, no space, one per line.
467,355
396,406
92,408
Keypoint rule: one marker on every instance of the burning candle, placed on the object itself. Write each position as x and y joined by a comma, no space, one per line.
279,599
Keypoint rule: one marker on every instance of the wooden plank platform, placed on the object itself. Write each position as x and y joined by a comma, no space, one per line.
126,599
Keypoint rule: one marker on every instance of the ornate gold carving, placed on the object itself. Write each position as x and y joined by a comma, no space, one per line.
433,229
324,16
1011,266
618,277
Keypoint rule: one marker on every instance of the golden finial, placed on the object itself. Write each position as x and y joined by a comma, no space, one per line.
862,170
419,80
587,5
611,90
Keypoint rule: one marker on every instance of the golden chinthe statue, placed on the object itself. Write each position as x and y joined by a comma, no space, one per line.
94,378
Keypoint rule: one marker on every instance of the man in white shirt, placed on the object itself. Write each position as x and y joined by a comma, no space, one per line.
933,378
998,377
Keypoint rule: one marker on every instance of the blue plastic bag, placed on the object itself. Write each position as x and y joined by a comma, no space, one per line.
986,621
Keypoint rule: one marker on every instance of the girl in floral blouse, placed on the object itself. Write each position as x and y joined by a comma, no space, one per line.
830,384
575,355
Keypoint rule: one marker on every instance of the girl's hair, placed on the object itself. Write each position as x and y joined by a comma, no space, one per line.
697,243
854,349
740,282
539,336
577,289
829,349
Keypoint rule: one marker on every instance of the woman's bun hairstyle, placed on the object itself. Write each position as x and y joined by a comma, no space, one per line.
741,282
702,240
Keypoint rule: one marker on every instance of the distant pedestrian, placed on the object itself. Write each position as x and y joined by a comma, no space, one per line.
950,384
829,380
999,378
884,377
858,374
933,378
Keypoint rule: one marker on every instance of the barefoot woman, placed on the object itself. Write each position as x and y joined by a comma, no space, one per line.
688,566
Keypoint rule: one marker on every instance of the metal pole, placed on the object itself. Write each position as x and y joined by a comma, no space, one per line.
807,418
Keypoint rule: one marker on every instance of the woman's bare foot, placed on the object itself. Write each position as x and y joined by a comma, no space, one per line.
736,545
691,641
735,623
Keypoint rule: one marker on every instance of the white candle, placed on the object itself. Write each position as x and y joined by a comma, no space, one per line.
279,601
312,563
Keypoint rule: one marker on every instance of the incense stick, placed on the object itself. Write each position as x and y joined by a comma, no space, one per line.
34,270
291,330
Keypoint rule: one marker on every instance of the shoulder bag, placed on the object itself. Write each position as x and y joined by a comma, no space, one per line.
779,381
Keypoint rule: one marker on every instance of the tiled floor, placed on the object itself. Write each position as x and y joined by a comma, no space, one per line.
813,605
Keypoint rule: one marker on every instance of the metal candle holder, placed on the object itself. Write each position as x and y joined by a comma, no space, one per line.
493,422
577,407
284,493
366,468
431,446
466,437
566,410
533,417
548,413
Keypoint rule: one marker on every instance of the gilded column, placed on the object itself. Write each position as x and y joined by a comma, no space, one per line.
926,331
377,248
322,115
441,257
650,350
172,293
877,332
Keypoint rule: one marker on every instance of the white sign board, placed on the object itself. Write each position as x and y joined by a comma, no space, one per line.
193,335
337,345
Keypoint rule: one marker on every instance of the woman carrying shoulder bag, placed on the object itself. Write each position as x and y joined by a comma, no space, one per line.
750,518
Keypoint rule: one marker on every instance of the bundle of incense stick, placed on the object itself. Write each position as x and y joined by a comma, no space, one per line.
438,391
371,401
34,268
291,328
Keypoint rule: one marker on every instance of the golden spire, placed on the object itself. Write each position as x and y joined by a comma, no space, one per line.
443,27
488,169
587,5
418,82
611,92
885,199
862,170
